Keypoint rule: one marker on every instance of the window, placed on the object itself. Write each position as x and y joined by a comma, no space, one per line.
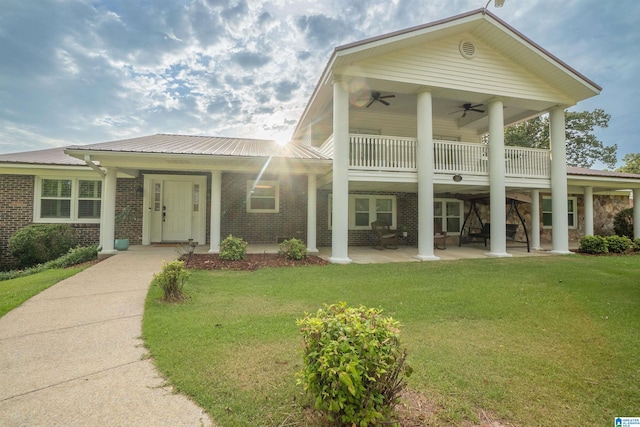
364,209
67,200
447,215
572,212
263,196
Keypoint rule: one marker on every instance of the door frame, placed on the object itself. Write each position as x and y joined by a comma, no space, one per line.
198,223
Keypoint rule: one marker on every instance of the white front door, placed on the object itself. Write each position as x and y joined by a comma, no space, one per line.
176,211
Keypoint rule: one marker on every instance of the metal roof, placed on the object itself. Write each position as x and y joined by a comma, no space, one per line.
51,156
203,145
592,172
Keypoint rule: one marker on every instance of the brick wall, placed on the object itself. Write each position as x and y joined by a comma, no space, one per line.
290,221
129,195
16,212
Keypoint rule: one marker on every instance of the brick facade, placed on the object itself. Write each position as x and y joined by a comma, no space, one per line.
290,221
16,211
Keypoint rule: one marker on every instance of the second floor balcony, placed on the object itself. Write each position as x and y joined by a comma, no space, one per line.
391,153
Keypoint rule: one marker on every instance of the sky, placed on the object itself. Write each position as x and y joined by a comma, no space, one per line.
84,71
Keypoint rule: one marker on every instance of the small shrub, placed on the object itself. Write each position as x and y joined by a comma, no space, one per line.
171,280
636,244
233,249
618,244
293,249
623,223
353,364
593,245
39,243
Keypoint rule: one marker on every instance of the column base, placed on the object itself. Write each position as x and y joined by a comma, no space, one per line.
214,251
498,255
427,258
561,252
335,260
106,254
537,248
313,251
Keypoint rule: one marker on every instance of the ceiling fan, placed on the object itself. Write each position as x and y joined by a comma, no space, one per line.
375,96
468,107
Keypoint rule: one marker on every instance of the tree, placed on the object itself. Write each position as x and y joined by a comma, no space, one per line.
583,147
631,163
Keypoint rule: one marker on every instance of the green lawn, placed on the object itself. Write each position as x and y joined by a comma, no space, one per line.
545,341
16,291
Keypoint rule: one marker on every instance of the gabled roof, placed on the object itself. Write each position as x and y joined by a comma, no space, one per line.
482,25
200,145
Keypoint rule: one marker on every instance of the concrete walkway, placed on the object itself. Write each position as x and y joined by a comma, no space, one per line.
72,355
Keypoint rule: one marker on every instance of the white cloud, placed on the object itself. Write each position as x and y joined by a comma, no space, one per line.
76,71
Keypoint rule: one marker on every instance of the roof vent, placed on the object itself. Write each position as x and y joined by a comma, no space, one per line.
467,49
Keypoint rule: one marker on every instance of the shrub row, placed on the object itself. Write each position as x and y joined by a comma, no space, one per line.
235,248
614,244
73,257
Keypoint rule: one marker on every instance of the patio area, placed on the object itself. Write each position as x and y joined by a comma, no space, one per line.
370,255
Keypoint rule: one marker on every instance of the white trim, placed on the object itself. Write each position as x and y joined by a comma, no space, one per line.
74,199
251,184
574,212
373,215
444,215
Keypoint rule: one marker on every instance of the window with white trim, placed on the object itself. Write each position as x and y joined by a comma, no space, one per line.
67,200
263,196
447,215
366,208
572,212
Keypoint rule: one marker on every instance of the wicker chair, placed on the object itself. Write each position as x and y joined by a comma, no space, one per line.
387,238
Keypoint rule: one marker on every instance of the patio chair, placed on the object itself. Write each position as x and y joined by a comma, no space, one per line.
387,238
439,237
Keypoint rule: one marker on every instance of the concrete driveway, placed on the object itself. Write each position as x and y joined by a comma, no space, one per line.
72,355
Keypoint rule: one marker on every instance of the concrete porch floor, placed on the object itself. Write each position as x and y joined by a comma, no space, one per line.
370,255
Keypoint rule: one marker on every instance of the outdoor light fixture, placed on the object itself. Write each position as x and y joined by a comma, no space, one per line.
457,177
191,248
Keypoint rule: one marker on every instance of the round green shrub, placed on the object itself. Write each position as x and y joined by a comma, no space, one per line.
623,223
354,365
593,245
293,249
233,249
39,243
618,244
636,244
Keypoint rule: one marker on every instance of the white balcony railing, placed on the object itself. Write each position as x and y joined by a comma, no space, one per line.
389,153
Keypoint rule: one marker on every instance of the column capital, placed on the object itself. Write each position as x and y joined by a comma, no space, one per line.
423,89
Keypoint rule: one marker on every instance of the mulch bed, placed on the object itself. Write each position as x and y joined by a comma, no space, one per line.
252,262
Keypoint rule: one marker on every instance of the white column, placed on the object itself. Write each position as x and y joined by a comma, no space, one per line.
588,211
216,209
108,213
497,198
636,213
559,193
424,161
340,207
535,220
311,213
